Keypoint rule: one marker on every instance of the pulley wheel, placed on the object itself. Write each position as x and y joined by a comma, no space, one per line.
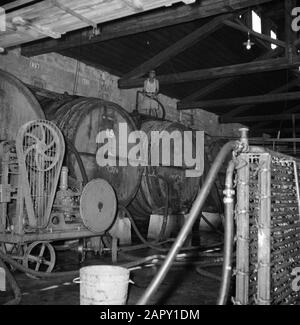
98,205
40,256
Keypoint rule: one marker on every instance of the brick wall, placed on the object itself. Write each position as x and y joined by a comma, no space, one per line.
59,73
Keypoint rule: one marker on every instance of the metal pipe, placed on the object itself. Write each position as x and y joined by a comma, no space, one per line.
228,235
195,210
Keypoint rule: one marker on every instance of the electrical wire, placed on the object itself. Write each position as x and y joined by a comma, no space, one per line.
207,274
166,210
138,233
153,245
210,224
72,148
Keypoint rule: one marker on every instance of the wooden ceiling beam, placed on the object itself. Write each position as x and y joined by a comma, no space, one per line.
221,83
16,4
261,125
137,24
258,118
215,73
260,99
278,90
179,46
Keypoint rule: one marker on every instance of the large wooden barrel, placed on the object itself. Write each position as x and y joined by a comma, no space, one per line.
161,182
17,106
81,119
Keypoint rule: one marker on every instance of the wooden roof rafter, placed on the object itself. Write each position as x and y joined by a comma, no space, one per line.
221,83
242,109
178,47
259,118
147,21
216,73
75,15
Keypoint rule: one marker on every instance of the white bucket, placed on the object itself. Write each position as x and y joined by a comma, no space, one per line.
103,285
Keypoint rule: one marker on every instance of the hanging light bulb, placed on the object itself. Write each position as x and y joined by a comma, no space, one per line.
248,44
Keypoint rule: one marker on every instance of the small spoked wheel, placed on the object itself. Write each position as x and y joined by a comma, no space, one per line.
40,257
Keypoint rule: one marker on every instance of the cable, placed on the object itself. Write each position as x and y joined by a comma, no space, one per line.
207,274
79,161
13,284
166,211
228,235
211,225
153,246
140,236
18,266
45,275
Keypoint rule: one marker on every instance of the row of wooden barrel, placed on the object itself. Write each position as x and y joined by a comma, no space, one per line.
145,190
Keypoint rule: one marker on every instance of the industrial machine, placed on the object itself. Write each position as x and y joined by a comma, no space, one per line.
261,258
37,203
268,228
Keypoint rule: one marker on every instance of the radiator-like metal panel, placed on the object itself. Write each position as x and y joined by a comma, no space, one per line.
268,228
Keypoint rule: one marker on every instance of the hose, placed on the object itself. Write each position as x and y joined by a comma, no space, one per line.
13,284
228,235
44,275
79,161
207,274
217,257
211,225
153,98
17,292
166,211
196,208
138,233
151,245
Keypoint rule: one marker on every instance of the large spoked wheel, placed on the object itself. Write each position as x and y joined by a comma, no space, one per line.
40,147
40,256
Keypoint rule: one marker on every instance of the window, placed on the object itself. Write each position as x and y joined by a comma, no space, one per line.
256,22
273,35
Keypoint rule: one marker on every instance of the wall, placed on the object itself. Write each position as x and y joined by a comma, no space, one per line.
58,73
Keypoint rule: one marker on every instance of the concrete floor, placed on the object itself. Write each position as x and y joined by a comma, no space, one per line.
182,286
